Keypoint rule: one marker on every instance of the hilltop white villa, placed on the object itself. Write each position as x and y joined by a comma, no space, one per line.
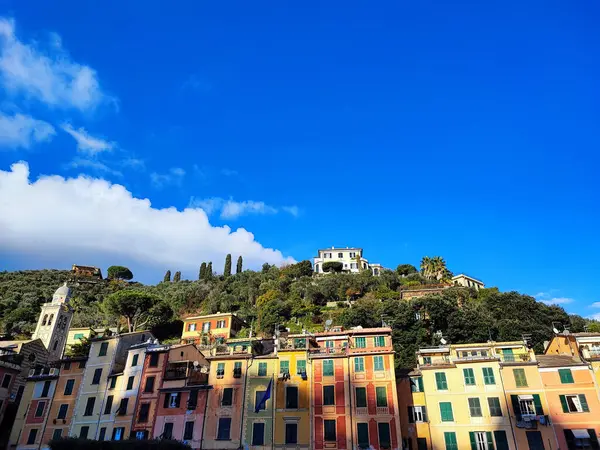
349,257
467,281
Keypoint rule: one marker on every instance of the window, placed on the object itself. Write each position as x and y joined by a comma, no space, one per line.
469,377
488,376
78,336
153,360
50,319
82,364
149,387
362,432
384,434
108,405
113,382
291,433
220,324
446,412
450,439
502,441
440,381
328,367
352,254
6,380
67,365
46,388
481,440
83,432
123,407
220,370
227,399
426,359
130,381
39,410
97,376
495,408
353,266
258,433
118,433
262,369
361,397
359,364
57,434
381,396
508,355
134,360
566,376
417,414
328,395
378,363
102,434
526,405
89,406
379,341
206,327
416,384
144,412
301,366
103,349
360,342
55,346
475,407
172,400
224,428
329,344
188,431
291,397
520,379
237,369
574,403
192,327
168,431
32,436
192,399
284,367
329,430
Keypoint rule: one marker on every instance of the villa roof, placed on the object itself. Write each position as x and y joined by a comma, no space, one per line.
559,361
466,276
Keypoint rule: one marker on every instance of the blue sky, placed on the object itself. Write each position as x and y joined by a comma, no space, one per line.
466,130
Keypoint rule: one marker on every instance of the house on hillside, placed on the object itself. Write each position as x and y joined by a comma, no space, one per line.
467,281
351,258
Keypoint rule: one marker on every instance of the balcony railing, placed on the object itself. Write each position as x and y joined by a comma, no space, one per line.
474,357
439,361
325,351
592,353
516,358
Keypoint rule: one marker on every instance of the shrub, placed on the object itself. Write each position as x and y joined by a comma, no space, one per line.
333,266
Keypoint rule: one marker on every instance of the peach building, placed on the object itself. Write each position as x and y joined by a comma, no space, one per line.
208,330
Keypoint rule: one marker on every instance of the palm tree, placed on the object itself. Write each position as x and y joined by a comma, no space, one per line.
426,266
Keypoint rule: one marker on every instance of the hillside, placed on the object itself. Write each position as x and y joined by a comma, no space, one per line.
291,297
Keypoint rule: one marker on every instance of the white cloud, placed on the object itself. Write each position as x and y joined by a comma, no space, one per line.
230,209
174,176
595,305
87,143
50,77
558,301
61,221
20,130
595,317
93,164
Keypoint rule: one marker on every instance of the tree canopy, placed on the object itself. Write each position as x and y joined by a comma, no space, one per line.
119,273
139,308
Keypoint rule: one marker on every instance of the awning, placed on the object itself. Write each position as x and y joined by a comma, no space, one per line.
526,397
581,434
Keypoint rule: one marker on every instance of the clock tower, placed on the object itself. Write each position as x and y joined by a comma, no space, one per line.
53,324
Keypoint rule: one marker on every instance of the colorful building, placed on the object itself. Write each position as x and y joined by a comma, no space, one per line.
586,345
573,398
10,367
414,422
210,329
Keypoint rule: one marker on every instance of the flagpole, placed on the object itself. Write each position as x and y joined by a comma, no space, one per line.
274,404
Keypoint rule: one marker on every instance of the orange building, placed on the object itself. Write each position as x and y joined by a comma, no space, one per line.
573,399
211,329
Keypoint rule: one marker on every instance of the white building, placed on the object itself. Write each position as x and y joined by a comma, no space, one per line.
467,281
351,258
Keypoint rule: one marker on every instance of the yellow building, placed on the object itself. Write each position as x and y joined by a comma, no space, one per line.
585,345
211,329
293,393
464,396
414,421
77,335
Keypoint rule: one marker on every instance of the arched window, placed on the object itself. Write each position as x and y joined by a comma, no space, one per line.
45,320
55,346
50,319
316,268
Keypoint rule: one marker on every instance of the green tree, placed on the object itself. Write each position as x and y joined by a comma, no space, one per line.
405,269
202,274
209,271
227,269
81,348
238,267
133,305
167,276
177,277
333,266
266,267
119,273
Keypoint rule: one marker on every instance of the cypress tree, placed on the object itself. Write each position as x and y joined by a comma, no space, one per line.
227,270
238,268
167,276
177,276
202,274
209,272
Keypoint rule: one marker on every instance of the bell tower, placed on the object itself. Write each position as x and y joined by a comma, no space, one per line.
54,322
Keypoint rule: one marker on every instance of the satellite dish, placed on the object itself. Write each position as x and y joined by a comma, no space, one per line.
555,330
328,322
443,341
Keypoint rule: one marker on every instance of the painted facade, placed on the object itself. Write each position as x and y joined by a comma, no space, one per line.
210,330
10,368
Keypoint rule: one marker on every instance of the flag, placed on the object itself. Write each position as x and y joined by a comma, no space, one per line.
266,396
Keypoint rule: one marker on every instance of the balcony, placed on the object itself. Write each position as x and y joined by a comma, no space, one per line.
438,361
516,358
362,411
383,410
592,353
487,357
185,370
327,351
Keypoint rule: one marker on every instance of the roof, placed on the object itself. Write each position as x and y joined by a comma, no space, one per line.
339,248
206,316
586,334
467,276
559,361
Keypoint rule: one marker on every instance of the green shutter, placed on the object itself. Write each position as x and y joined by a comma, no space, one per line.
488,375
446,412
473,442
490,441
501,440
566,376
469,377
538,405
563,402
450,439
516,407
381,394
584,403
520,378
440,380
420,381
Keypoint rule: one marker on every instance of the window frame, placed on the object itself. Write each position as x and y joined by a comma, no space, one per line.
489,378
495,408
475,409
329,389
359,364
441,381
361,398
326,373
288,426
384,403
378,363
220,423
332,431
469,376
